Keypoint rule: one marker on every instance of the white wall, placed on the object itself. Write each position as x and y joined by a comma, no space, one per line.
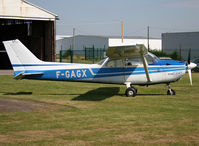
81,42
154,44
20,9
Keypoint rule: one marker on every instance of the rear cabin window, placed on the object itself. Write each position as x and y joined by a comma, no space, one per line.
133,61
115,63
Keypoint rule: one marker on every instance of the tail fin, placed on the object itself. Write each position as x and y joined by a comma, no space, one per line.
20,56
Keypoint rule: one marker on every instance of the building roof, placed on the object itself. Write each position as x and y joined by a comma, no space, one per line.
60,37
180,32
109,37
21,9
131,37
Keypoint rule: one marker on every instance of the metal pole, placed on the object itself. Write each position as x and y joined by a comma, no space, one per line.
122,31
60,55
148,38
93,54
180,51
85,55
73,45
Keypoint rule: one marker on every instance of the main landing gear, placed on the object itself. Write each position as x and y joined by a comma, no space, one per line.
130,91
170,91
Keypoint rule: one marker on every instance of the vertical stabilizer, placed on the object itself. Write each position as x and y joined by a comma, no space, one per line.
20,56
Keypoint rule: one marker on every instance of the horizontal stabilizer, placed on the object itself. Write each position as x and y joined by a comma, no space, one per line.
23,75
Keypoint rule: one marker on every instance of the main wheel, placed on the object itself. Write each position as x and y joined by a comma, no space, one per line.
171,92
136,90
130,92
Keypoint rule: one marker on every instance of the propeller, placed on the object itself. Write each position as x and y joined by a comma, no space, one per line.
189,56
190,66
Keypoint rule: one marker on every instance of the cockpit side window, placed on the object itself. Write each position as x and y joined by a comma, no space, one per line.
135,61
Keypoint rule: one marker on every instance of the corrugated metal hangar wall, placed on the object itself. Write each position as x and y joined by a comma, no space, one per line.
181,42
82,41
33,26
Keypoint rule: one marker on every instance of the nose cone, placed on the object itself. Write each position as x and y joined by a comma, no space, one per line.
191,65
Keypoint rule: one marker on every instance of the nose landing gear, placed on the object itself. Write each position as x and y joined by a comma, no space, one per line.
170,91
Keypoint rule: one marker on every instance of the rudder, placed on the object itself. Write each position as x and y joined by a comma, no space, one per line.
20,56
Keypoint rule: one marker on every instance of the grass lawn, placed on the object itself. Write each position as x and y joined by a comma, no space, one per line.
77,113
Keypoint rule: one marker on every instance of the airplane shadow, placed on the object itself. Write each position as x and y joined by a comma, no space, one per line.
98,94
18,93
150,94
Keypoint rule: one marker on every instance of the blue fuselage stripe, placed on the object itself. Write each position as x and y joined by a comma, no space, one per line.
31,65
85,73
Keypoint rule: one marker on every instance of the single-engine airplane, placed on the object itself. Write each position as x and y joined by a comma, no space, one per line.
128,65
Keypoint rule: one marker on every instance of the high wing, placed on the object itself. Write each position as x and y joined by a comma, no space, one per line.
125,52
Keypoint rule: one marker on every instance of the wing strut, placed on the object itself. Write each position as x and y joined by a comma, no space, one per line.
145,64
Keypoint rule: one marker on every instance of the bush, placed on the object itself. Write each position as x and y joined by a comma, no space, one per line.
160,53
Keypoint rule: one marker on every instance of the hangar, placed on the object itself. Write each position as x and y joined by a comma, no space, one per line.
82,41
33,26
181,42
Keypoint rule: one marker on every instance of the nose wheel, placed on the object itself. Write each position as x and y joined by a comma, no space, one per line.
170,91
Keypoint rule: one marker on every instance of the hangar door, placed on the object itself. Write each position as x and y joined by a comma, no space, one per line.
37,36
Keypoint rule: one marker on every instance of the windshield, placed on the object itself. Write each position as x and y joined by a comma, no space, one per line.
151,58
101,62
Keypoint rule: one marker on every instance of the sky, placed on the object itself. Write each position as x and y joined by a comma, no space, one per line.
104,17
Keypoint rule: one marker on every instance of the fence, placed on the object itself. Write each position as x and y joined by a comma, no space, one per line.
94,53
88,55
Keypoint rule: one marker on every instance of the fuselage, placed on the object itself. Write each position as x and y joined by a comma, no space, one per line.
108,71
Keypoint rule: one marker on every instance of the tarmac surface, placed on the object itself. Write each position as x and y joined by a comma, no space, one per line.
14,105
6,72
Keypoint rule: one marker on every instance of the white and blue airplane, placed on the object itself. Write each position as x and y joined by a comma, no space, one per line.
128,65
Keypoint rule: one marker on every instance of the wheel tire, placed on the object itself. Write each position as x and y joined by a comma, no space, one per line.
130,92
171,92
136,90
